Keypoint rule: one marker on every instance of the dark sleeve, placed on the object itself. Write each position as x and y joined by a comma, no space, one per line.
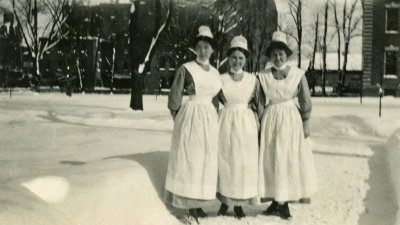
217,99
221,97
176,92
215,102
258,99
304,98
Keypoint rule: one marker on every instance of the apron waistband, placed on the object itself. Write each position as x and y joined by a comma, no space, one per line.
282,101
240,105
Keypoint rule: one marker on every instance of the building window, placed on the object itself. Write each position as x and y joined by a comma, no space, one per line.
391,62
392,22
162,63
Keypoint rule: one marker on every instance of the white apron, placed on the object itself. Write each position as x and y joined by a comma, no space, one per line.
193,160
238,140
286,171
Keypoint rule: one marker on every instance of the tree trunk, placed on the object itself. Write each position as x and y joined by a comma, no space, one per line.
344,70
36,68
315,43
112,69
299,56
361,88
324,49
340,84
139,65
312,78
136,92
260,47
79,72
299,30
6,73
251,58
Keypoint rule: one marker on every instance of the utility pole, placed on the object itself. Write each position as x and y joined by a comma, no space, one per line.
380,86
361,88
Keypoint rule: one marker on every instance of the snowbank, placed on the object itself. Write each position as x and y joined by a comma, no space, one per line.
393,148
120,195
114,162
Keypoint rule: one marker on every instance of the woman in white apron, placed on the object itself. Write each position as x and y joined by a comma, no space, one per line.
238,137
286,166
193,161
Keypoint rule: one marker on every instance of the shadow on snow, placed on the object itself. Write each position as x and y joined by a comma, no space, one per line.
380,201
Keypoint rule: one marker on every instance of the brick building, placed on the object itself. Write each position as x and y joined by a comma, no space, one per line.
381,46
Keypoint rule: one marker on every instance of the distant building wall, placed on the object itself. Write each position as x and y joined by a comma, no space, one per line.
381,45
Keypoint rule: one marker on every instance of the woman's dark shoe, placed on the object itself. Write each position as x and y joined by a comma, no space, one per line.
193,213
223,210
201,213
272,209
284,211
239,212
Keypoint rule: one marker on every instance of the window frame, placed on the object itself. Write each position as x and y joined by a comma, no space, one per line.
395,49
392,6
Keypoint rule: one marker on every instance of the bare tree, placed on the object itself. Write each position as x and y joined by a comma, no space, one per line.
311,76
225,15
293,25
263,23
74,41
253,19
112,64
350,30
176,40
295,7
43,38
257,22
339,47
324,48
143,53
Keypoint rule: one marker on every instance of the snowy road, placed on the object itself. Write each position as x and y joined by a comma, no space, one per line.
90,160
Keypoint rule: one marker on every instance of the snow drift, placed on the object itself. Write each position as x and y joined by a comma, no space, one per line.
393,148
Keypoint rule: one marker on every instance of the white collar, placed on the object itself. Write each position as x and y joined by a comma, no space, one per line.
203,63
279,68
237,71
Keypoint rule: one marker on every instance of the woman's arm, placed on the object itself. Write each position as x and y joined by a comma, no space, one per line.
305,104
215,102
258,99
176,92
221,97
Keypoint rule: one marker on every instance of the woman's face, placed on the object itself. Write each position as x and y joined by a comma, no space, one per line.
237,60
203,50
278,57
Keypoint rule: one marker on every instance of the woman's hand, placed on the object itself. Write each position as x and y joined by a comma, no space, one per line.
306,129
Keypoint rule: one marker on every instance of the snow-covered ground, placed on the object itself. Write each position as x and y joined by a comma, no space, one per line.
90,160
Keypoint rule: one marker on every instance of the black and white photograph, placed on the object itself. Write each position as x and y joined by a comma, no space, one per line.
211,112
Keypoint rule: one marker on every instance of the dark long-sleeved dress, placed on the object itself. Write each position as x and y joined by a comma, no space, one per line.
286,166
193,166
238,140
